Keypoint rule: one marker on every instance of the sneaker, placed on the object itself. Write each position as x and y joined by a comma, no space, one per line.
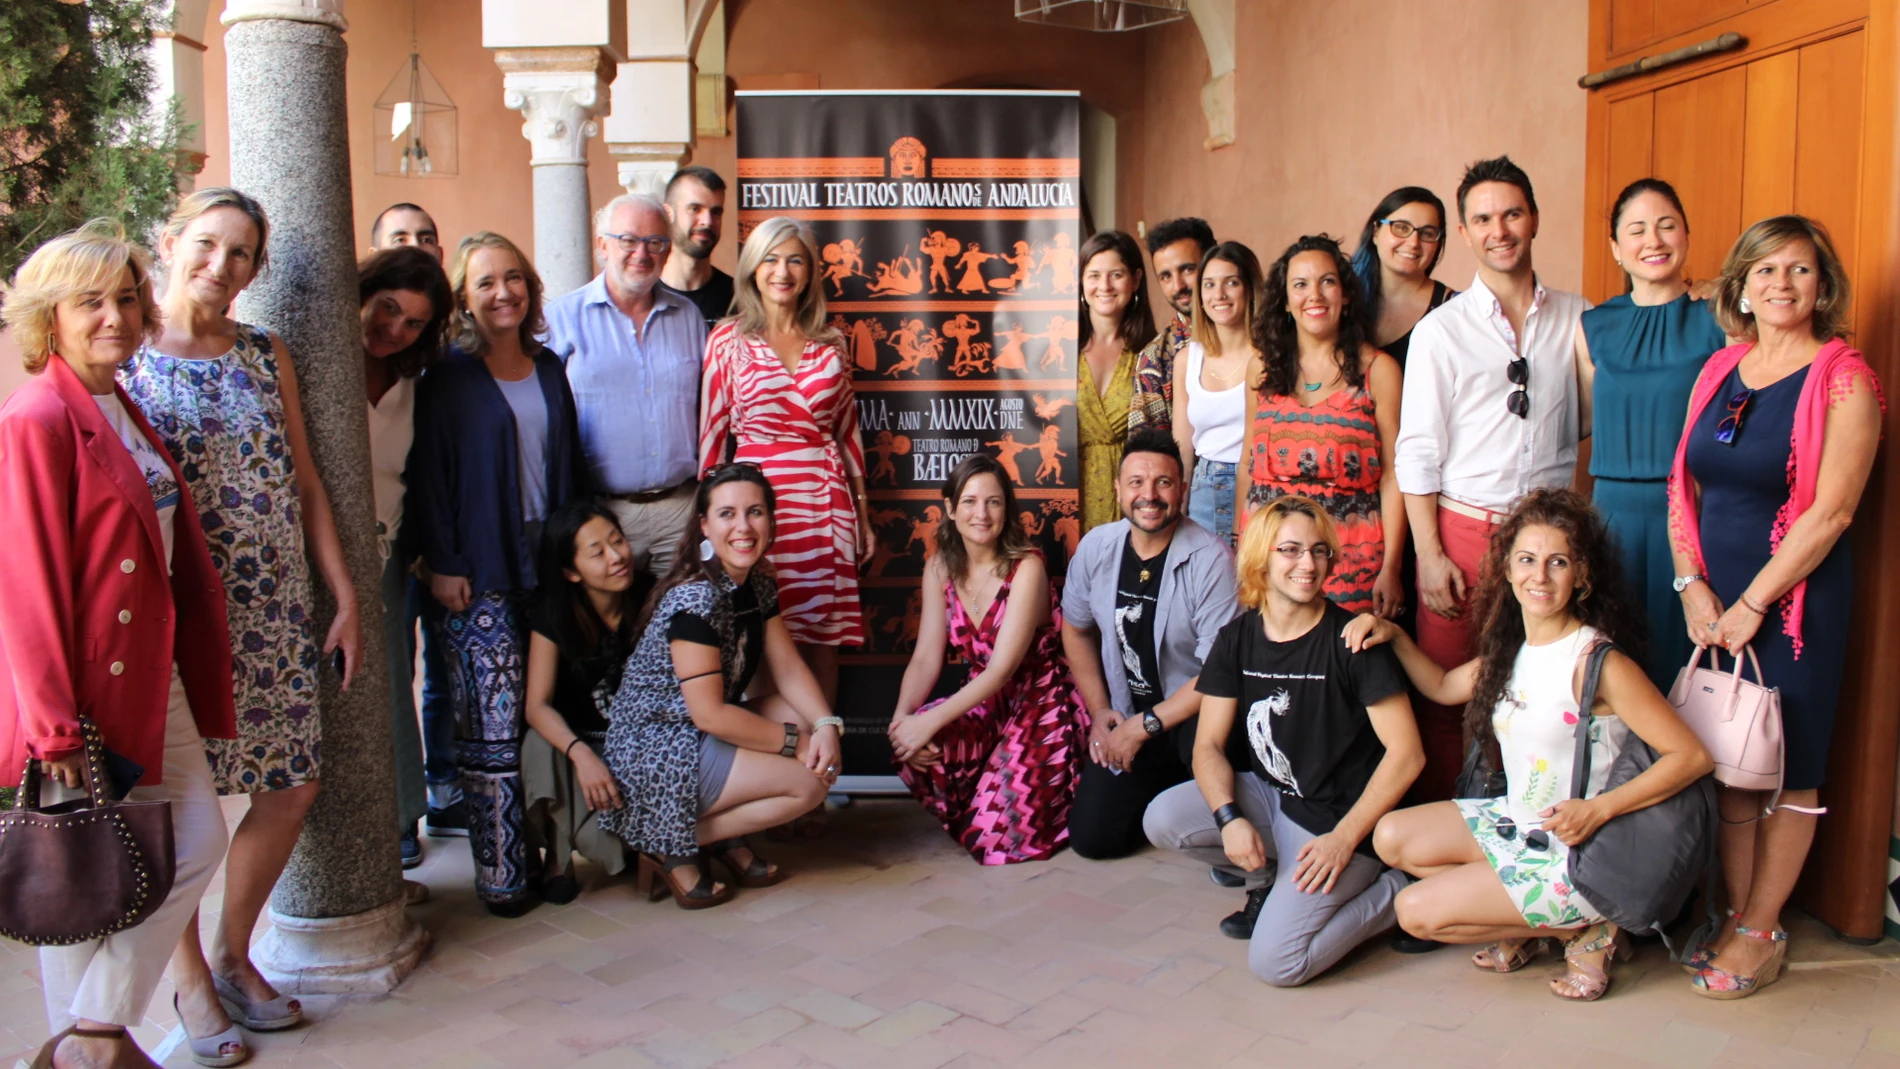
411,849
1239,924
450,823
1223,878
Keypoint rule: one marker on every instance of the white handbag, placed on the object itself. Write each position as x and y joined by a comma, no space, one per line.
1738,722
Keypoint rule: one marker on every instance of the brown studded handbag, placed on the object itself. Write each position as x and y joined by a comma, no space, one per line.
85,868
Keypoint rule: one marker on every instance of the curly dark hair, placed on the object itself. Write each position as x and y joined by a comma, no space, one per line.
1277,336
1605,600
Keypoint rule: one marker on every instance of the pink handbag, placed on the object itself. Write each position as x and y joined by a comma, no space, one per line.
1738,722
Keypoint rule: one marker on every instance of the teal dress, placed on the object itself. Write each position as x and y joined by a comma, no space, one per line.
1647,359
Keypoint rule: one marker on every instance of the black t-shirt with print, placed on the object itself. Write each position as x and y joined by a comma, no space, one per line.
1303,705
1135,599
583,688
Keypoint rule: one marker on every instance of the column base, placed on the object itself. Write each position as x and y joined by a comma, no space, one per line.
366,953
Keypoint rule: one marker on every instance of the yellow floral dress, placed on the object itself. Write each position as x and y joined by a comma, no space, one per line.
1101,423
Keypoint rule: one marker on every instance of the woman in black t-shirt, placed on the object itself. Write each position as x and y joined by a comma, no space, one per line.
583,631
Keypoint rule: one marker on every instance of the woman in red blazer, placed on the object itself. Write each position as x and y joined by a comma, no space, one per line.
106,615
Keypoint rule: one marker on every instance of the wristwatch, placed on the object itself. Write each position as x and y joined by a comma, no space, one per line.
1152,723
1681,582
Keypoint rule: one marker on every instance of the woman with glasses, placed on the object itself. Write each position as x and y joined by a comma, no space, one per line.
1496,871
1781,436
1638,354
776,392
1326,415
1399,248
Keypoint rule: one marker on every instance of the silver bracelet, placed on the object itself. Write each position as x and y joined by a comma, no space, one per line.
829,722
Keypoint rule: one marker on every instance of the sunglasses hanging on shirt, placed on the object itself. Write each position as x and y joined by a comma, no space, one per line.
1519,400
1731,424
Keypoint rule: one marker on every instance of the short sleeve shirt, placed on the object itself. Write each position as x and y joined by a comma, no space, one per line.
1303,706
583,687
748,619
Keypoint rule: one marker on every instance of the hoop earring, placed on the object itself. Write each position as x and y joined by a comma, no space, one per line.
705,549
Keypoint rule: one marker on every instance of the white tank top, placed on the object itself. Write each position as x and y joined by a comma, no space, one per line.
1537,723
1219,417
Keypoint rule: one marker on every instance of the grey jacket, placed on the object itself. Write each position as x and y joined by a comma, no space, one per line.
1197,597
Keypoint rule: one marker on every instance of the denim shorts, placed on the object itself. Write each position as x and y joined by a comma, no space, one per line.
1211,497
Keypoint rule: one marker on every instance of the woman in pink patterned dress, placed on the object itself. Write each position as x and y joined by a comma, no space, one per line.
776,392
997,761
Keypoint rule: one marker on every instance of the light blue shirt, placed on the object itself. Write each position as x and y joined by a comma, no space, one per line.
637,396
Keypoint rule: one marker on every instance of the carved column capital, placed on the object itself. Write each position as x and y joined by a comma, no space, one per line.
561,93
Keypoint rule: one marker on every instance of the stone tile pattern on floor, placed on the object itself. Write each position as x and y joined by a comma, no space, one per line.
889,948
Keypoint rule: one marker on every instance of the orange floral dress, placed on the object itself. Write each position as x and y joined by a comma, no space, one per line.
1330,453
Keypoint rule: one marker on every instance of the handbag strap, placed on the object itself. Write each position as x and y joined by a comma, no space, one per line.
89,770
1592,674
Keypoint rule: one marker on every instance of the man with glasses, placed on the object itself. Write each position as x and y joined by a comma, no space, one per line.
1489,413
1144,598
1176,247
696,206
633,350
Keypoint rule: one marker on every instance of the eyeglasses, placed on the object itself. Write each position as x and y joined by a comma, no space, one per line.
1519,402
1402,230
1320,551
1731,424
629,242
1536,838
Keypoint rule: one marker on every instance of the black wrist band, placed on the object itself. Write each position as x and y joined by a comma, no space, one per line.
1227,814
569,752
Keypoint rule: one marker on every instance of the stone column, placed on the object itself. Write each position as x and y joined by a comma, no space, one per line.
559,92
337,913
650,132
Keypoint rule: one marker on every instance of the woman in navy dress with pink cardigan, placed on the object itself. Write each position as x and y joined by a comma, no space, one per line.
1781,436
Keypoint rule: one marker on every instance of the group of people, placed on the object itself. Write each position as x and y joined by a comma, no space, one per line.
622,530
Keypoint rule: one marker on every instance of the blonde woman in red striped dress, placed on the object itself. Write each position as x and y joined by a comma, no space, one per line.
776,392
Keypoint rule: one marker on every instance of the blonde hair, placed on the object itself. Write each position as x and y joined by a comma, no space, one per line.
1263,530
463,333
88,260
1762,240
215,197
749,303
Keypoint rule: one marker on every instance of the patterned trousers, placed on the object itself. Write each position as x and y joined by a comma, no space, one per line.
485,647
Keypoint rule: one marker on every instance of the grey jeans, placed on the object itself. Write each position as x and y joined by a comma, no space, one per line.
1298,935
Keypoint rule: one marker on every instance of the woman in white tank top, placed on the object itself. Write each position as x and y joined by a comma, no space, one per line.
1497,870
1210,397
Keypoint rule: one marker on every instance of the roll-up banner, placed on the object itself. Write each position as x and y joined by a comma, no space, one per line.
947,226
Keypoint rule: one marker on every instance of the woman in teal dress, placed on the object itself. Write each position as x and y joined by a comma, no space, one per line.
1637,359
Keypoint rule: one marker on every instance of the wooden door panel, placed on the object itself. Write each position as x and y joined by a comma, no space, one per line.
1698,149
1768,143
1631,23
1632,131
1827,133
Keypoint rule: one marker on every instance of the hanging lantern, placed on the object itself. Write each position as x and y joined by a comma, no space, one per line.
415,121
1101,15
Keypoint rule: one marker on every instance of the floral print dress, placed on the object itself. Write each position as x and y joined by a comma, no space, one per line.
222,420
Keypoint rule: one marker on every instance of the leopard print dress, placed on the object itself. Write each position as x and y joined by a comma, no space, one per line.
652,746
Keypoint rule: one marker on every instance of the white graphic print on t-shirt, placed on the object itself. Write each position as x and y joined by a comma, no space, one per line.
1260,733
1131,660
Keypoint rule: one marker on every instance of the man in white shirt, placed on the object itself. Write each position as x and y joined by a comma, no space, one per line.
1490,412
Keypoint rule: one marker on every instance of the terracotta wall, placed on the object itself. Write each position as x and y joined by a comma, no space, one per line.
1342,103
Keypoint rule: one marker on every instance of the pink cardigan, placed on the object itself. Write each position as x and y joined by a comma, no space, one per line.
1835,371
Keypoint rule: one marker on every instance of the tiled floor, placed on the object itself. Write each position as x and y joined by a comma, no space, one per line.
890,948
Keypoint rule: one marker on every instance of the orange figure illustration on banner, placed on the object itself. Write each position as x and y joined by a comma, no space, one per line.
907,158
972,262
1024,261
882,447
1011,357
861,336
844,259
925,531
915,343
902,277
1059,260
967,358
1048,410
1006,451
1055,356
940,247
1049,445
1033,523
1068,524
882,551
904,628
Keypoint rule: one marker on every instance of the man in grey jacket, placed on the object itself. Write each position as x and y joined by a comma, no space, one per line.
1143,601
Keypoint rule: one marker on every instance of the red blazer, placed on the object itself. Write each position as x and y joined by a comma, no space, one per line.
87,613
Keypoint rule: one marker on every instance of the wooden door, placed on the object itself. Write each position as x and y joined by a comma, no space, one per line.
1801,119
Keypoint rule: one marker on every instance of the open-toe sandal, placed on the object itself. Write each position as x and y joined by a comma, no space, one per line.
212,1050
1502,957
261,1015
1583,980
1712,982
656,878
757,872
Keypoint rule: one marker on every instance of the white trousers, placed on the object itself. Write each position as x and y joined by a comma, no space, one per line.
111,980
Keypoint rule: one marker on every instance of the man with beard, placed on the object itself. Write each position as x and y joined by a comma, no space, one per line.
1176,247
1144,599
696,210
1489,413
1331,748
405,224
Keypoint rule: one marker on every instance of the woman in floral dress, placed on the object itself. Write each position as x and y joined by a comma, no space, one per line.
996,763
222,395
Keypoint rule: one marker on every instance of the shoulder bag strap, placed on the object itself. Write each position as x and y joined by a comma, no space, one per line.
1592,674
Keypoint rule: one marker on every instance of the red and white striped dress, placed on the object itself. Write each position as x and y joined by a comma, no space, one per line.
801,429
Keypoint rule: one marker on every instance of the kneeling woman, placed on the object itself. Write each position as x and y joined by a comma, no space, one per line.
583,633
695,764
1497,870
997,761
